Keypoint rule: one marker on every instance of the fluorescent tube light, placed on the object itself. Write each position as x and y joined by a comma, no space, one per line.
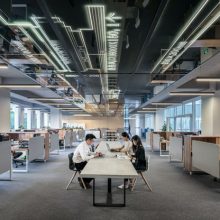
162,81
208,79
47,99
192,93
87,115
3,66
57,103
19,86
152,108
146,111
165,103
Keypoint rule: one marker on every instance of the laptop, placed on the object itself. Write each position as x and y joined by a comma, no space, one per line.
108,147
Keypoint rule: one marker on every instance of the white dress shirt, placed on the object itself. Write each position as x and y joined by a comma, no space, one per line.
83,153
127,147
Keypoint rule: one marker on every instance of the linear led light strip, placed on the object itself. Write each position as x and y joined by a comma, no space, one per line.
192,93
28,24
97,21
41,39
208,79
70,32
33,18
199,34
71,37
187,24
96,17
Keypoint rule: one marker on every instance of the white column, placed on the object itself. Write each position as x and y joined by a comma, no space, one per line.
159,120
210,115
5,110
55,118
21,116
41,119
33,119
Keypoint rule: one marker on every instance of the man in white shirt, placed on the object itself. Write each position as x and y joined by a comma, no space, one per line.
82,154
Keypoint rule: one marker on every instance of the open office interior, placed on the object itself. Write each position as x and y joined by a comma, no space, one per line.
109,109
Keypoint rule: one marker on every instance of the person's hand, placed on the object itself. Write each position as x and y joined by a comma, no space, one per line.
96,154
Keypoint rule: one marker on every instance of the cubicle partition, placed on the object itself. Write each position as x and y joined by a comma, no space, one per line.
36,148
54,143
188,148
206,157
5,157
156,142
176,149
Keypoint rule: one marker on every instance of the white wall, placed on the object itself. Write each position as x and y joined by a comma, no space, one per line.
95,122
210,115
159,119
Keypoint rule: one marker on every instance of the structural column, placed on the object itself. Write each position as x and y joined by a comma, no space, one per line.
210,124
41,119
5,110
21,116
55,118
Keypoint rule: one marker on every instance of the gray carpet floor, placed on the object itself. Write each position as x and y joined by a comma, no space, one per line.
41,194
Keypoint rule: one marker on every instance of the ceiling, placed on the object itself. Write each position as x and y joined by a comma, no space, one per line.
98,54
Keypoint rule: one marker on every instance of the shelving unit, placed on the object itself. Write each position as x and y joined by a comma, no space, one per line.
111,135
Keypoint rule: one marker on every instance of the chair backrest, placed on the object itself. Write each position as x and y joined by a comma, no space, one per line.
71,163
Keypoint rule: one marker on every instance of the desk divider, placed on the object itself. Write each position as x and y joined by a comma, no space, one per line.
5,158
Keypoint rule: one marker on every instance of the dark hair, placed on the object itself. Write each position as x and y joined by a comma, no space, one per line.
125,134
90,137
138,140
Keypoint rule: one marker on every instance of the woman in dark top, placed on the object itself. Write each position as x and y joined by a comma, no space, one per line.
138,159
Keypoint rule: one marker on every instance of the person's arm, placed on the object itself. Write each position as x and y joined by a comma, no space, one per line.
119,149
84,154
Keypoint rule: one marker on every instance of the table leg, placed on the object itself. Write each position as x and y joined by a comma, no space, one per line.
109,196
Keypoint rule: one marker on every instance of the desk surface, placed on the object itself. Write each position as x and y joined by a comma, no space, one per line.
108,166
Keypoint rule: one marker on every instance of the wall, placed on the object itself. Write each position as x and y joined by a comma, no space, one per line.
95,122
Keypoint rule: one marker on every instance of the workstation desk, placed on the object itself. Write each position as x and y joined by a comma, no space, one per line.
109,167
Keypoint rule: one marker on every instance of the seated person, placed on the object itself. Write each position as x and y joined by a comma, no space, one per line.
82,154
127,146
138,159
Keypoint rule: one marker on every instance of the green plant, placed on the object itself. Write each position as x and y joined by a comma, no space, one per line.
164,127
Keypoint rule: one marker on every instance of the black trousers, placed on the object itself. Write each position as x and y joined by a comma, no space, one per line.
80,166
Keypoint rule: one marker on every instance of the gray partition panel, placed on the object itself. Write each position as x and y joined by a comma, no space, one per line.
54,142
36,148
5,156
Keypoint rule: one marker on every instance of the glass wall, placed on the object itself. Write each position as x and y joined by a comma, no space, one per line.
184,117
149,121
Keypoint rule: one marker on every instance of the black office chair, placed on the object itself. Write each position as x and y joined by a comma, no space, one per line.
141,172
16,159
73,168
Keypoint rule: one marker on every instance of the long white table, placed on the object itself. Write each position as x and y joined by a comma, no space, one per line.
109,167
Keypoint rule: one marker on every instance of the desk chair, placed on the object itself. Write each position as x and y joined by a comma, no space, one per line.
73,168
16,159
141,172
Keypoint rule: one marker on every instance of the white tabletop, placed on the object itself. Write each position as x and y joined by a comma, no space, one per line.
109,166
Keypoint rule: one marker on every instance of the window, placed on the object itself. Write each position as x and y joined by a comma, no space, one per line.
179,110
25,120
149,121
188,108
186,123
171,124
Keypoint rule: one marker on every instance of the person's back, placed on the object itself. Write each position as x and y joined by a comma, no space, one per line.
140,162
